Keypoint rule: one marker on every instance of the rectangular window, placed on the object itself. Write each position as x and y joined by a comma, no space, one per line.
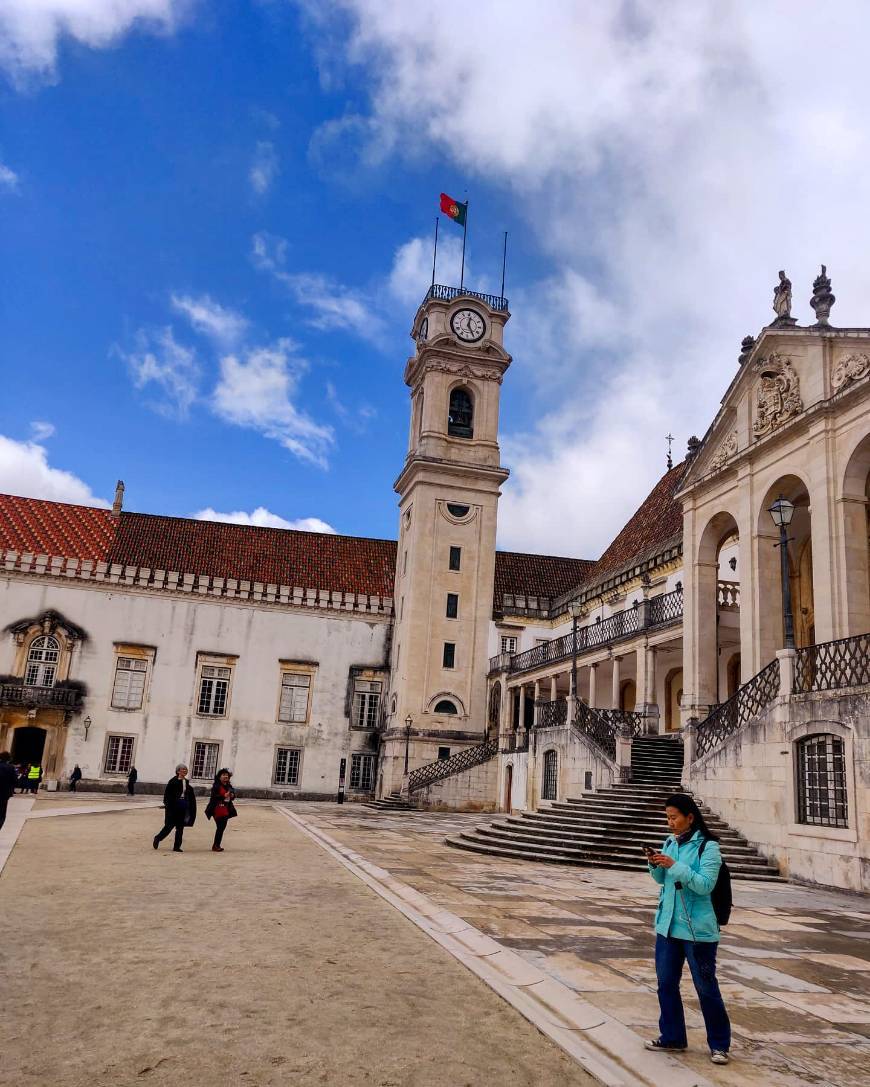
455,558
452,605
214,686
508,644
366,702
205,760
443,754
362,773
119,754
294,697
449,658
128,690
287,766
822,794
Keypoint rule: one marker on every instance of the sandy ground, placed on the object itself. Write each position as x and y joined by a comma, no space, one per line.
268,964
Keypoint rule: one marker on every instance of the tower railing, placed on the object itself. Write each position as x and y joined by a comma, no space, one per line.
447,294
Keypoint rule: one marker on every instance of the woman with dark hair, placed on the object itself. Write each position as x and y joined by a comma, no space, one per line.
221,806
687,867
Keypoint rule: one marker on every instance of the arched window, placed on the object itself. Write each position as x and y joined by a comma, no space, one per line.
460,417
494,707
42,659
444,707
548,779
821,781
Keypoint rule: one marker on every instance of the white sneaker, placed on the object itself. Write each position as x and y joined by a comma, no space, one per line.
719,1056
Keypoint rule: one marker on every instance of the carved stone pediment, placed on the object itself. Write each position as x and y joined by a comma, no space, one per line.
727,449
777,398
463,369
851,368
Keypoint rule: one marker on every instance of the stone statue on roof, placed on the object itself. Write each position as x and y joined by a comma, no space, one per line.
782,298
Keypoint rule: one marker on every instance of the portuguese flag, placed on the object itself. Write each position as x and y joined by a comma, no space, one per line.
453,209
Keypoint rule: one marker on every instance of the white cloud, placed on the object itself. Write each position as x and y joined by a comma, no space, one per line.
40,430
258,390
224,326
411,273
24,470
667,160
264,167
263,518
8,178
31,30
159,360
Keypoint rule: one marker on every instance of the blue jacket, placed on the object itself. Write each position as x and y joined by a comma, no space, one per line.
698,878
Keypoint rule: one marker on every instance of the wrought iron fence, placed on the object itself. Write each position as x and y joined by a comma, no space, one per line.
630,720
447,294
739,710
596,727
831,665
445,768
18,694
552,714
666,608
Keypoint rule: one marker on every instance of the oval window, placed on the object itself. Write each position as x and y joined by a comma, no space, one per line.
445,707
458,511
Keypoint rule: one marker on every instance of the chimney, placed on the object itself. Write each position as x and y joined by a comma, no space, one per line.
118,504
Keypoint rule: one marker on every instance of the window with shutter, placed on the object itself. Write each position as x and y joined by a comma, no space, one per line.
294,697
128,690
366,702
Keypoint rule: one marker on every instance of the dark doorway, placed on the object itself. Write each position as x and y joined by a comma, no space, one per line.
508,788
28,745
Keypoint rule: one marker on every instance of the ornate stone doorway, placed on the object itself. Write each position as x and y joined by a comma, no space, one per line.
28,745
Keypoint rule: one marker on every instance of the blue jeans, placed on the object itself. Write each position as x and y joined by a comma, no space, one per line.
670,956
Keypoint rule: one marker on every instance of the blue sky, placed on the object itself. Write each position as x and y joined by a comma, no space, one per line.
217,225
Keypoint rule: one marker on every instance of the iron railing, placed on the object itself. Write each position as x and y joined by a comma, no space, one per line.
465,759
666,608
630,720
552,714
447,294
19,694
739,710
831,665
597,728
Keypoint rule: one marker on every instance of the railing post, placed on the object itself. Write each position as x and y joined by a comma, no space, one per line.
689,737
787,659
623,752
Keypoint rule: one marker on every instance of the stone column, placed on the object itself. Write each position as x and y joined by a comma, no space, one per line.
537,697
855,587
521,723
623,753
553,688
614,684
646,687
593,684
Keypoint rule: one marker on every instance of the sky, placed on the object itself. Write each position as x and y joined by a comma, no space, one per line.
216,225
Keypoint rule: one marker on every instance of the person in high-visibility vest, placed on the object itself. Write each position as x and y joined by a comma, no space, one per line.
34,775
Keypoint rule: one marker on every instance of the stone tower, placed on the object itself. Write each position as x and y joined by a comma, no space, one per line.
448,498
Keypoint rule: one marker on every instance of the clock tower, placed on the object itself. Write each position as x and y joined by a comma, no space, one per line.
448,498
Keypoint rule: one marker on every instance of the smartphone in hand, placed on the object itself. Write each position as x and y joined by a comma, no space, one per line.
649,850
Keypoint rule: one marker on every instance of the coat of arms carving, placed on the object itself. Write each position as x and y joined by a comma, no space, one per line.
850,368
778,397
727,449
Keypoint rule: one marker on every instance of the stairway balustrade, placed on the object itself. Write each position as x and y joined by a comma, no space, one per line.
831,666
465,759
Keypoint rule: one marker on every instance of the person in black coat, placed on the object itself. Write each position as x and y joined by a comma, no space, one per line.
8,781
179,802
221,806
75,777
132,778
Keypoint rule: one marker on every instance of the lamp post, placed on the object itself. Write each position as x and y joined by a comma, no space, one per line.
576,612
409,720
782,512
86,724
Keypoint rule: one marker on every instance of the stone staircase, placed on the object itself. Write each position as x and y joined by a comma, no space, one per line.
606,828
393,802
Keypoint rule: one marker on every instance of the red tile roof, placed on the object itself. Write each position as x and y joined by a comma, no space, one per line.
54,528
536,575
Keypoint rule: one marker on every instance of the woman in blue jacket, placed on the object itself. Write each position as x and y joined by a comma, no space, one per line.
686,928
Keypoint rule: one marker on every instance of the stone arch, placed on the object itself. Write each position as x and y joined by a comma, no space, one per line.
446,696
717,618
854,502
673,697
460,411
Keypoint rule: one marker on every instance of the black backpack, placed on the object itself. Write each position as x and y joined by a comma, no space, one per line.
720,896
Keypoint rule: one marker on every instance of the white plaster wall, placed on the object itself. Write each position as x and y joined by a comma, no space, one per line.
181,627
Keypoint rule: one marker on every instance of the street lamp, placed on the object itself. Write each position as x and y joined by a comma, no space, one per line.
782,512
576,610
86,724
409,720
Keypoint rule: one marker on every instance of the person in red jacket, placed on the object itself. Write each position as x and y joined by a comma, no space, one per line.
221,806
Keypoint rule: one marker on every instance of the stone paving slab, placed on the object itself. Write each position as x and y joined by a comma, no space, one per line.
795,964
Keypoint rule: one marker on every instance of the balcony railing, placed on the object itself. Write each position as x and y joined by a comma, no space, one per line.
728,594
552,714
731,716
19,694
832,665
447,294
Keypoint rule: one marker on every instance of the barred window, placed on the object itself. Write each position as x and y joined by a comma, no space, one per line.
128,689
508,644
42,661
205,760
287,766
214,686
821,781
549,779
362,773
366,702
119,754
294,697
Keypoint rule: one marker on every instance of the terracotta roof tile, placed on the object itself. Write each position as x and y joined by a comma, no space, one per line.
536,575
55,528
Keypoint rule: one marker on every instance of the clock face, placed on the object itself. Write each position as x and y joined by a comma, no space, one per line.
468,325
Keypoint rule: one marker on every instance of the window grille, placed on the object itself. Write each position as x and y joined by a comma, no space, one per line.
455,558
449,658
452,605
205,760
366,702
119,754
294,697
548,783
42,661
128,690
287,766
362,773
214,687
821,772
508,645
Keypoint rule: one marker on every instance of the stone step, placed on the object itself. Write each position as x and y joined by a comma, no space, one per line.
630,847
650,832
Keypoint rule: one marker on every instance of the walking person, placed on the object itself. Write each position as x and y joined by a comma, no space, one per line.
132,778
687,867
8,781
75,777
221,806
179,802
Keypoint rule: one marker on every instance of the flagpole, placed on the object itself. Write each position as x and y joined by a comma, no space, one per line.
503,263
464,235
435,251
